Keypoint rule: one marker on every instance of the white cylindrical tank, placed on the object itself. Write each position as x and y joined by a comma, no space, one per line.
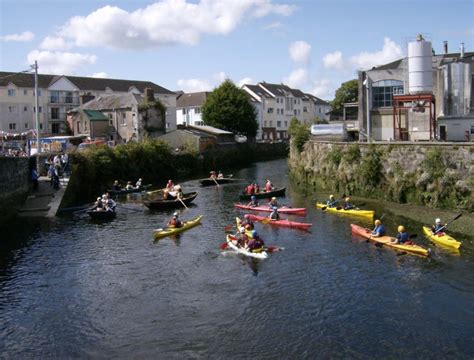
420,68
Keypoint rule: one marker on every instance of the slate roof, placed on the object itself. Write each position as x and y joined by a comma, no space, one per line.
111,102
257,90
192,99
316,100
83,83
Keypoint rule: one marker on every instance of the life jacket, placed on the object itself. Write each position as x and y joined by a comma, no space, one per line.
403,238
250,190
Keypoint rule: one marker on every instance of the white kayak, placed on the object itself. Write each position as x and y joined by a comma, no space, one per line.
258,255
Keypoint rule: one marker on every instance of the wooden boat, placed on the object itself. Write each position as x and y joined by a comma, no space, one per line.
101,214
124,191
389,242
265,194
225,180
161,204
161,233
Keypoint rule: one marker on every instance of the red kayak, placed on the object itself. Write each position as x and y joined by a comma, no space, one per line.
281,222
281,210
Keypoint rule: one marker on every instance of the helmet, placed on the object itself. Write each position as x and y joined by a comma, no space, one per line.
274,198
348,198
176,213
331,196
242,230
253,197
99,198
438,221
377,222
401,228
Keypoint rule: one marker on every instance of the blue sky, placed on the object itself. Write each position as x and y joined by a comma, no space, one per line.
194,45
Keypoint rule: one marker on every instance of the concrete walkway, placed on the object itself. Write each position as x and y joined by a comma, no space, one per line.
45,201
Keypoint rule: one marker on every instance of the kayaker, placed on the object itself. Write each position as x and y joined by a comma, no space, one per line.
242,238
402,236
379,229
175,222
331,202
273,202
220,175
247,223
255,242
274,214
116,186
438,226
268,185
253,201
139,183
129,186
250,189
169,185
348,205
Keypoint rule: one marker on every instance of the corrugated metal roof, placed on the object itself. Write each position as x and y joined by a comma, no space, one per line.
95,115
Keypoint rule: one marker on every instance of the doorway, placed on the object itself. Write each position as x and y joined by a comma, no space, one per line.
442,132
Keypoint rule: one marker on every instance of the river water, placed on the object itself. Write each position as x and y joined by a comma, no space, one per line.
71,288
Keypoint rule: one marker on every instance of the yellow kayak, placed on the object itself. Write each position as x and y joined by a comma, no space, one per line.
441,238
339,210
161,233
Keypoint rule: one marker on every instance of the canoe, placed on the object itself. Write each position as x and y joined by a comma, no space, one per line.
281,210
161,233
124,191
441,238
161,204
265,194
262,254
225,180
101,215
354,212
281,222
387,241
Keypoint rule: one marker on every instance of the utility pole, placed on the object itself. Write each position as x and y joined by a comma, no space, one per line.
38,144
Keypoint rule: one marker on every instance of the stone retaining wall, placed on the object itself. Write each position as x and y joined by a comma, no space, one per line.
14,185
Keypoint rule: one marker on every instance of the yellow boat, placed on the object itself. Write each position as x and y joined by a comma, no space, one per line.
340,210
161,233
441,238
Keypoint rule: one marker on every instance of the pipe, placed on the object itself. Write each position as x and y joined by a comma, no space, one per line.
462,50
445,45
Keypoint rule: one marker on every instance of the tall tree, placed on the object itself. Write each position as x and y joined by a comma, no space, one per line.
229,108
348,92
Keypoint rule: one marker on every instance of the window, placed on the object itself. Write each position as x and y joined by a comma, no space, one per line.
265,123
85,125
12,126
184,111
286,123
69,98
305,109
55,113
12,109
11,92
278,123
294,112
25,92
294,101
41,126
270,123
270,110
382,92
34,109
124,119
39,92
54,97
197,110
78,127
55,128
319,109
25,108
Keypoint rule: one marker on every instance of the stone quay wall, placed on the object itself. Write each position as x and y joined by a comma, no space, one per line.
14,185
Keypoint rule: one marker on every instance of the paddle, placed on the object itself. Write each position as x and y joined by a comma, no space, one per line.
269,249
449,222
334,202
154,191
182,202
215,181
353,208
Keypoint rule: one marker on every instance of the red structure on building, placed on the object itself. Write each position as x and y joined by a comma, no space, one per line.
415,103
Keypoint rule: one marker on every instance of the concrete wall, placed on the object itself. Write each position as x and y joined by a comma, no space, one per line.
434,174
14,185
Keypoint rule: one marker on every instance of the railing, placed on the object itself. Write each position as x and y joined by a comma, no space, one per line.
57,116
63,100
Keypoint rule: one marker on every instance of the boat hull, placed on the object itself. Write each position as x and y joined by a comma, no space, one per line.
352,212
443,239
159,234
265,195
170,204
283,222
257,255
281,210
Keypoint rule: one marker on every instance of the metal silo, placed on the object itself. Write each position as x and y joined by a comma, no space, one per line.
420,72
457,88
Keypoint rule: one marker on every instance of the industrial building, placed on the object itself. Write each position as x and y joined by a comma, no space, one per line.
421,97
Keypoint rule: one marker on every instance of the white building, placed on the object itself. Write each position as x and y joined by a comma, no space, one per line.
59,94
189,108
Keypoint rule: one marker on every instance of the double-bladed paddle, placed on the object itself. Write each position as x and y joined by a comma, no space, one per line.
449,222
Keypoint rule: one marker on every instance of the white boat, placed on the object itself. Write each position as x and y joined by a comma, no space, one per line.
258,255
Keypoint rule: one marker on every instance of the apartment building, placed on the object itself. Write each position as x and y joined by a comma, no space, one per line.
189,108
58,94
277,104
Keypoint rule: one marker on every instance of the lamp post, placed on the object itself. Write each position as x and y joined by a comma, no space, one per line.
38,144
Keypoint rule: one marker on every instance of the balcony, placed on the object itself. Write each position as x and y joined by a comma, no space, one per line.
57,116
70,100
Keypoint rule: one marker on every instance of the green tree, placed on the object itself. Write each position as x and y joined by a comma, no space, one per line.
299,133
348,92
229,108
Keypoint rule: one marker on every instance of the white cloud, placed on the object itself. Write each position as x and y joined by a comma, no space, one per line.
366,60
220,76
57,62
245,81
273,26
23,37
101,75
300,52
333,60
323,89
298,78
54,43
194,85
163,23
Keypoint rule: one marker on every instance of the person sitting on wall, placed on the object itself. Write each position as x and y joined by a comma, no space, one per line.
175,222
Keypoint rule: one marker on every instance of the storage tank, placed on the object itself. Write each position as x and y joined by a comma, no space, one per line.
420,72
334,132
457,88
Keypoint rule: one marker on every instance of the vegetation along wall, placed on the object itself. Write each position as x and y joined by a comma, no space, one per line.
435,175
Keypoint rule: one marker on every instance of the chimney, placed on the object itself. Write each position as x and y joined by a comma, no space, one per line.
445,45
462,50
149,95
